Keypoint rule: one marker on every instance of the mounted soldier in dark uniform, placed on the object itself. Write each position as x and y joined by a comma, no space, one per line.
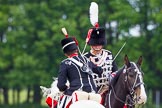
77,70
103,58
96,39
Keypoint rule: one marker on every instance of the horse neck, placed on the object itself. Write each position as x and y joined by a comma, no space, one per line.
119,93
121,90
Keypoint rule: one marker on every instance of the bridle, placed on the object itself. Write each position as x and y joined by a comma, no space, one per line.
132,89
130,100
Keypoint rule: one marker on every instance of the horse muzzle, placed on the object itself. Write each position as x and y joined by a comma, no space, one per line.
143,97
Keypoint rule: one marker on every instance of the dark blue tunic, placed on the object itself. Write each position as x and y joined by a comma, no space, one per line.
104,60
77,77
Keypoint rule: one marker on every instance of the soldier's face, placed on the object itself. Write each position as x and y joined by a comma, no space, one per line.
97,47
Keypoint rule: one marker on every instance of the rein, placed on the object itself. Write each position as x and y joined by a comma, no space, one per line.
116,97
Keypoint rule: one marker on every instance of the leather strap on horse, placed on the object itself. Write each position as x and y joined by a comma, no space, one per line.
128,97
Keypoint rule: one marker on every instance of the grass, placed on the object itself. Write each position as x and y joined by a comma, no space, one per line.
23,104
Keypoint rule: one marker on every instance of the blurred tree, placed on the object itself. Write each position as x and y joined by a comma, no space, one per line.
5,58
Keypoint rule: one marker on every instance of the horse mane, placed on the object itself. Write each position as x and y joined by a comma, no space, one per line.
115,79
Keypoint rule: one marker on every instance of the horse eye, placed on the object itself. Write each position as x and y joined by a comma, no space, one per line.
131,74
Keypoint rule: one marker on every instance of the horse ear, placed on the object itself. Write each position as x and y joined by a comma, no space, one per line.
139,62
126,60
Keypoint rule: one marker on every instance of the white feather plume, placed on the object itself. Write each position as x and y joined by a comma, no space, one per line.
93,11
64,32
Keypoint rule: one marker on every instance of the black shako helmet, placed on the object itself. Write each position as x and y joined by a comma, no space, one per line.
68,44
97,36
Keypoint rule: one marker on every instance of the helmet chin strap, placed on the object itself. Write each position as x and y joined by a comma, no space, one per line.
94,51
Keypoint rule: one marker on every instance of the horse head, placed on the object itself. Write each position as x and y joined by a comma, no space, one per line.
127,87
53,91
134,79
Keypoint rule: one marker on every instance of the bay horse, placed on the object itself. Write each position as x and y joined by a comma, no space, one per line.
127,87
